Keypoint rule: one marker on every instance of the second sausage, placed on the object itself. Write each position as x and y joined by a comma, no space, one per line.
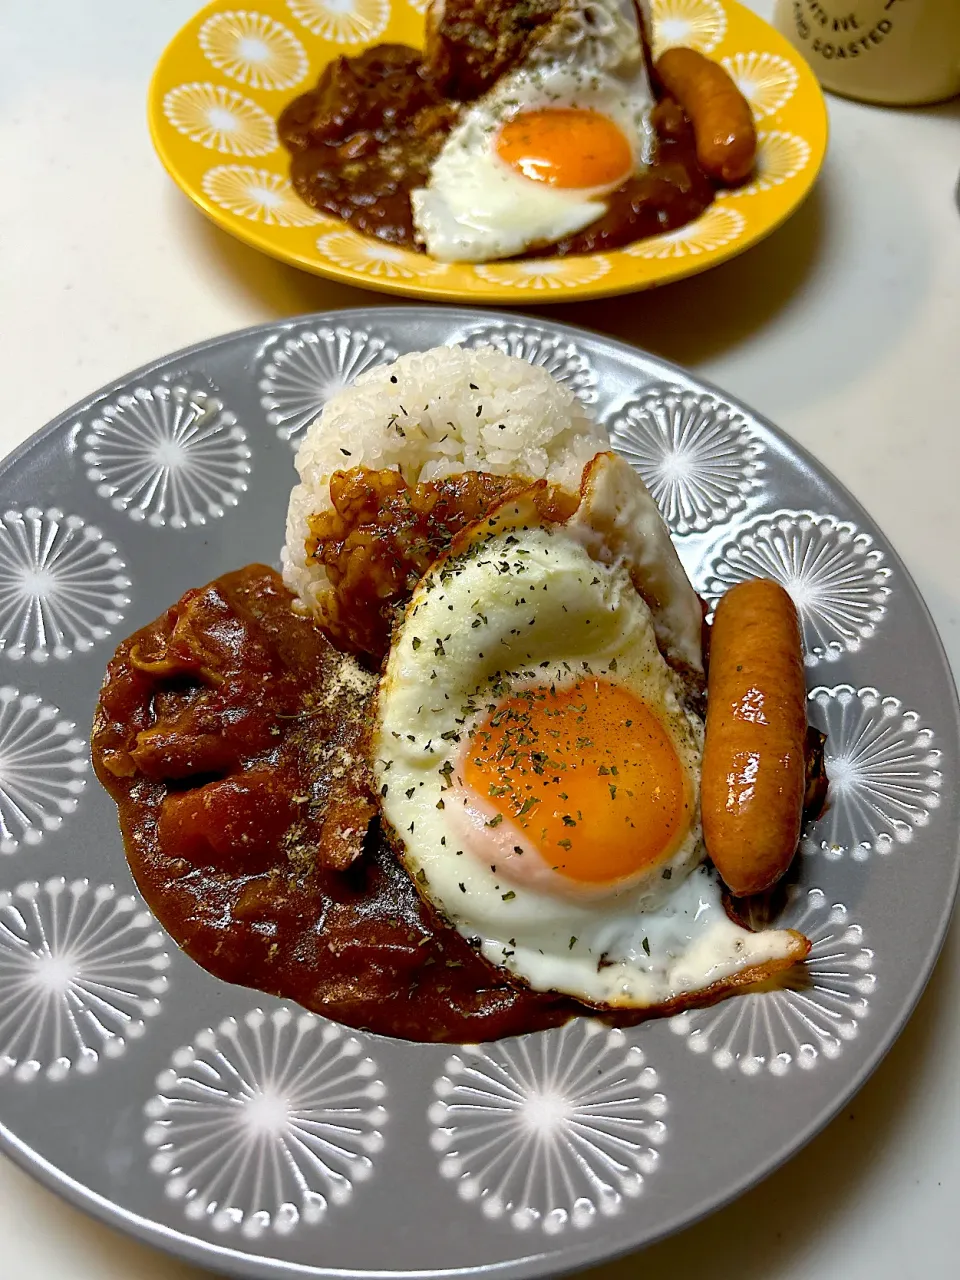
721,117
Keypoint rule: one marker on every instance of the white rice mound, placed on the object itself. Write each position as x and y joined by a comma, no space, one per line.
433,414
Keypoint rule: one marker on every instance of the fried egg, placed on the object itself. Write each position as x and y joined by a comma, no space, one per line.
539,772
530,162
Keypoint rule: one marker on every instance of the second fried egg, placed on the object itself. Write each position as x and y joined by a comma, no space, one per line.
530,162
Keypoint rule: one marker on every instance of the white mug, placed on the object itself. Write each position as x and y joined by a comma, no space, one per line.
902,52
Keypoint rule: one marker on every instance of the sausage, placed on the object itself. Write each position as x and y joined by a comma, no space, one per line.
721,117
754,765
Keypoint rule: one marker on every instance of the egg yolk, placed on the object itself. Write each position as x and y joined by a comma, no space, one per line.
566,147
588,773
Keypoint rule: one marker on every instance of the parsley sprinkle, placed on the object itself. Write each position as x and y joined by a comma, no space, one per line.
495,821
571,943
646,945
508,897
416,642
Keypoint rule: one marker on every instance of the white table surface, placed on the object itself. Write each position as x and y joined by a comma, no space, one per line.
844,328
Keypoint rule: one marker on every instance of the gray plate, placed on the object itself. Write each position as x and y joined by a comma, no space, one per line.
244,1134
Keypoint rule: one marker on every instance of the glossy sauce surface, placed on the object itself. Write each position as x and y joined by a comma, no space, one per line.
369,131
365,137
220,730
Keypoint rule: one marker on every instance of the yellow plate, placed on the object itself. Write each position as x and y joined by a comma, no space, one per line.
223,80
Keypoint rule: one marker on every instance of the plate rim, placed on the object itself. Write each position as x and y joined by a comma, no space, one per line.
577,1256
494,296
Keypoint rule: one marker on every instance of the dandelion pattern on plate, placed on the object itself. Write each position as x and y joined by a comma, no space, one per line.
220,119
834,573
554,1130
305,369
696,455
373,257
766,80
700,24
883,771
259,196
266,1121
42,765
62,585
545,275
780,157
253,50
168,455
343,21
82,972
802,1016
717,227
562,359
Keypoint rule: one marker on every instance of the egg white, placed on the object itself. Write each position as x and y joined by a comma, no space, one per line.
516,608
